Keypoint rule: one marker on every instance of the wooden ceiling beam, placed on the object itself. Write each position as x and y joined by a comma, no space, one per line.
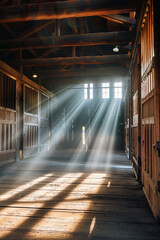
74,60
65,9
53,83
120,19
3,2
87,39
121,70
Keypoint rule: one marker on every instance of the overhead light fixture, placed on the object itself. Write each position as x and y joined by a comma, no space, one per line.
116,49
35,76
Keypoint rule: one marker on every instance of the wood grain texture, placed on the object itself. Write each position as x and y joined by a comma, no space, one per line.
45,199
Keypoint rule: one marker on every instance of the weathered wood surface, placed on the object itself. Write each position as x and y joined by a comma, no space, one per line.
121,70
65,9
53,199
123,58
86,39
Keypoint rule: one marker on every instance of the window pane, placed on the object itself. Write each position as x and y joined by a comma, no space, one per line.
88,91
118,92
105,84
91,93
118,84
85,93
105,90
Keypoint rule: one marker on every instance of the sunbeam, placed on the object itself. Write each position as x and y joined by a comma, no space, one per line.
104,140
77,155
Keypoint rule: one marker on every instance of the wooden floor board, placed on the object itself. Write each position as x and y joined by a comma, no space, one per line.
53,200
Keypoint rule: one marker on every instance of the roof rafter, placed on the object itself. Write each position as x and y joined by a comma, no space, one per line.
88,39
74,60
120,19
65,9
82,72
3,2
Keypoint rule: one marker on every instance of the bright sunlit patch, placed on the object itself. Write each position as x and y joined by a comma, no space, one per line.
109,184
70,210
44,193
92,225
24,187
81,201
21,211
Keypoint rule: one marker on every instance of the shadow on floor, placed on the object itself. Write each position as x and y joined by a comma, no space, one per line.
62,197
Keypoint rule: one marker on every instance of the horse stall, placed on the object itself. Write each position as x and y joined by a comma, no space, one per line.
24,116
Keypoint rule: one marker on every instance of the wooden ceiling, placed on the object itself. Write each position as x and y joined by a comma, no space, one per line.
69,40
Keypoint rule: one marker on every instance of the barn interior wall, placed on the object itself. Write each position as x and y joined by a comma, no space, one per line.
72,124
24,116
145,100
32,121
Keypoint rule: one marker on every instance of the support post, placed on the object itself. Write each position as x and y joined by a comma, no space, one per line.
19,123
19,114
130,118
39,121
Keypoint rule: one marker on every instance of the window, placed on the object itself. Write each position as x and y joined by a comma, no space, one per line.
105,90
31,100
118,90
88,91
7,92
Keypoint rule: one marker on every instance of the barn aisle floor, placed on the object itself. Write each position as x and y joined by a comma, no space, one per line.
65,196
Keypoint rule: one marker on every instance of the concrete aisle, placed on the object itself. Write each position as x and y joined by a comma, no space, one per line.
66,196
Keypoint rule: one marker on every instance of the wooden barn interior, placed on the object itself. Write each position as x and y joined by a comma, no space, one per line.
79,119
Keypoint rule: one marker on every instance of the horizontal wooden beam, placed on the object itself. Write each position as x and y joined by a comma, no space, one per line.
65,9
73,60
115,70
11,72
64,82
120,19
3,2
87,39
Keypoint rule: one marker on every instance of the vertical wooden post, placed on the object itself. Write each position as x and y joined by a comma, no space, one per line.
156,7
19,129
130,117
139,112
39,121
19,115
49,121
